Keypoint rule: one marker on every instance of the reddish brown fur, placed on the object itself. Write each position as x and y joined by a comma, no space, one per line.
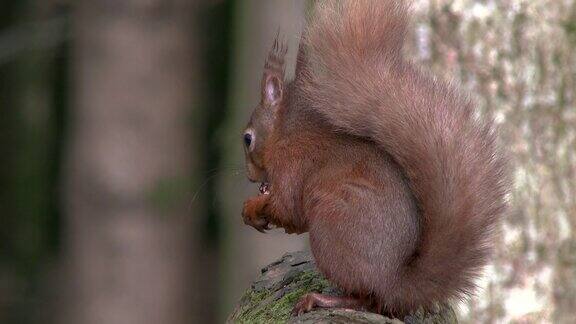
399,185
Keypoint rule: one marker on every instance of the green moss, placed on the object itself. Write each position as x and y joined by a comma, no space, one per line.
278,309
570,29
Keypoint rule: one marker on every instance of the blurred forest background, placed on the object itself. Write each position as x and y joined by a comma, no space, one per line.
121,169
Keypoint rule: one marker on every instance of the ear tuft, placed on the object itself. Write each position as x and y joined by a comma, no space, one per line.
275,61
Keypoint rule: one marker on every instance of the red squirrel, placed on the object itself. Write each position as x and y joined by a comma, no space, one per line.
399,183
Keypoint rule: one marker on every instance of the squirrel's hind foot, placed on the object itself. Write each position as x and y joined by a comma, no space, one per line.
315,300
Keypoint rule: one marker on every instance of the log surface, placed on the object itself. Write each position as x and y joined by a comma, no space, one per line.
272,296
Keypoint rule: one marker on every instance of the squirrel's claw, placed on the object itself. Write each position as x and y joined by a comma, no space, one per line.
253,214
260,224
305,304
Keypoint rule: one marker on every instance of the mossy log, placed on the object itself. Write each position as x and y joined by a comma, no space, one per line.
272,296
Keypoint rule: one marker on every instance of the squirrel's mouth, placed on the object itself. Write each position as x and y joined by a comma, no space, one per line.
264,188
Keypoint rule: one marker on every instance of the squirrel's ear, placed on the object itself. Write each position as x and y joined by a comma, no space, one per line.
272,89
273,79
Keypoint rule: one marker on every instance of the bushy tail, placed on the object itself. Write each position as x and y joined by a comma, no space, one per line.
353,73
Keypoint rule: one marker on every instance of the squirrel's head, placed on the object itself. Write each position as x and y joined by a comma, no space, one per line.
262,122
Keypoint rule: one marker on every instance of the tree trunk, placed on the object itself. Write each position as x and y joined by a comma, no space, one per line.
518,59
129,230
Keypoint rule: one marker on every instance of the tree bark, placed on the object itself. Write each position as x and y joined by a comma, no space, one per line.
129,229
272,296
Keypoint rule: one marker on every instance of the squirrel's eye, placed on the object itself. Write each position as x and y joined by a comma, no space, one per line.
247,139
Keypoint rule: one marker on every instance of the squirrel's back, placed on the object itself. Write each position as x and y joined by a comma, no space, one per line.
351,71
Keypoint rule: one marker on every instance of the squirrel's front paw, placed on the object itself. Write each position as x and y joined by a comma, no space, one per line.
253,213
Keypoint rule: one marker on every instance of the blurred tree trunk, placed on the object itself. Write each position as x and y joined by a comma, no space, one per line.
256,23
27,136
129,238
215,21
517,57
